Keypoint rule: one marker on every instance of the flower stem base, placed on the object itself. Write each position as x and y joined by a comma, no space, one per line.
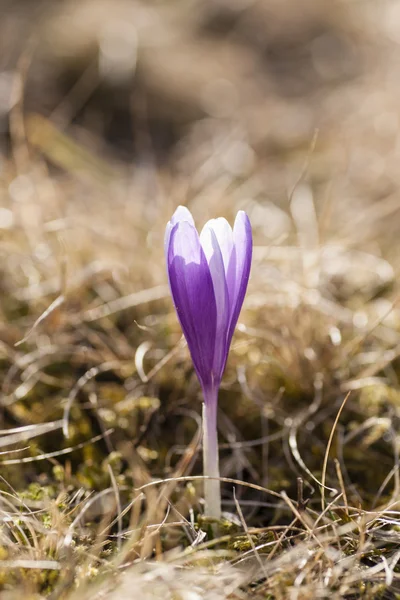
212,487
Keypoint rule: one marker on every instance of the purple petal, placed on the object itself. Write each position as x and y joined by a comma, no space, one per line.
214,257
239,267
193,295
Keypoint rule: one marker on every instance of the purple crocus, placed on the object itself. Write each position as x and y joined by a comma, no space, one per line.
208,276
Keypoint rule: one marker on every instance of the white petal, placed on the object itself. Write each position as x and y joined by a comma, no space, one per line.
209,243
167,238
182,214
224,235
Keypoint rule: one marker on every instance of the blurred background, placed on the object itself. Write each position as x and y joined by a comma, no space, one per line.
166,99
224,93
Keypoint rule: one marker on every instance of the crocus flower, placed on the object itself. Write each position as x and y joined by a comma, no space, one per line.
208,276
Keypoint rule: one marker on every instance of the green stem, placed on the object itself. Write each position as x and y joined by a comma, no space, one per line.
212,487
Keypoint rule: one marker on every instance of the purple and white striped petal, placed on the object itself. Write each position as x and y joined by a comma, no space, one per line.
214,256
239,267
224,234
193,295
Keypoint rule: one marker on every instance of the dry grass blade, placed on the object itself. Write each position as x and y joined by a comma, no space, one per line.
57,453
59,301
127,302
22,434
328,448
246,529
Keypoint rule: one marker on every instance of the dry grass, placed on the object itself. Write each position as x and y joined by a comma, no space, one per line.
101,487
